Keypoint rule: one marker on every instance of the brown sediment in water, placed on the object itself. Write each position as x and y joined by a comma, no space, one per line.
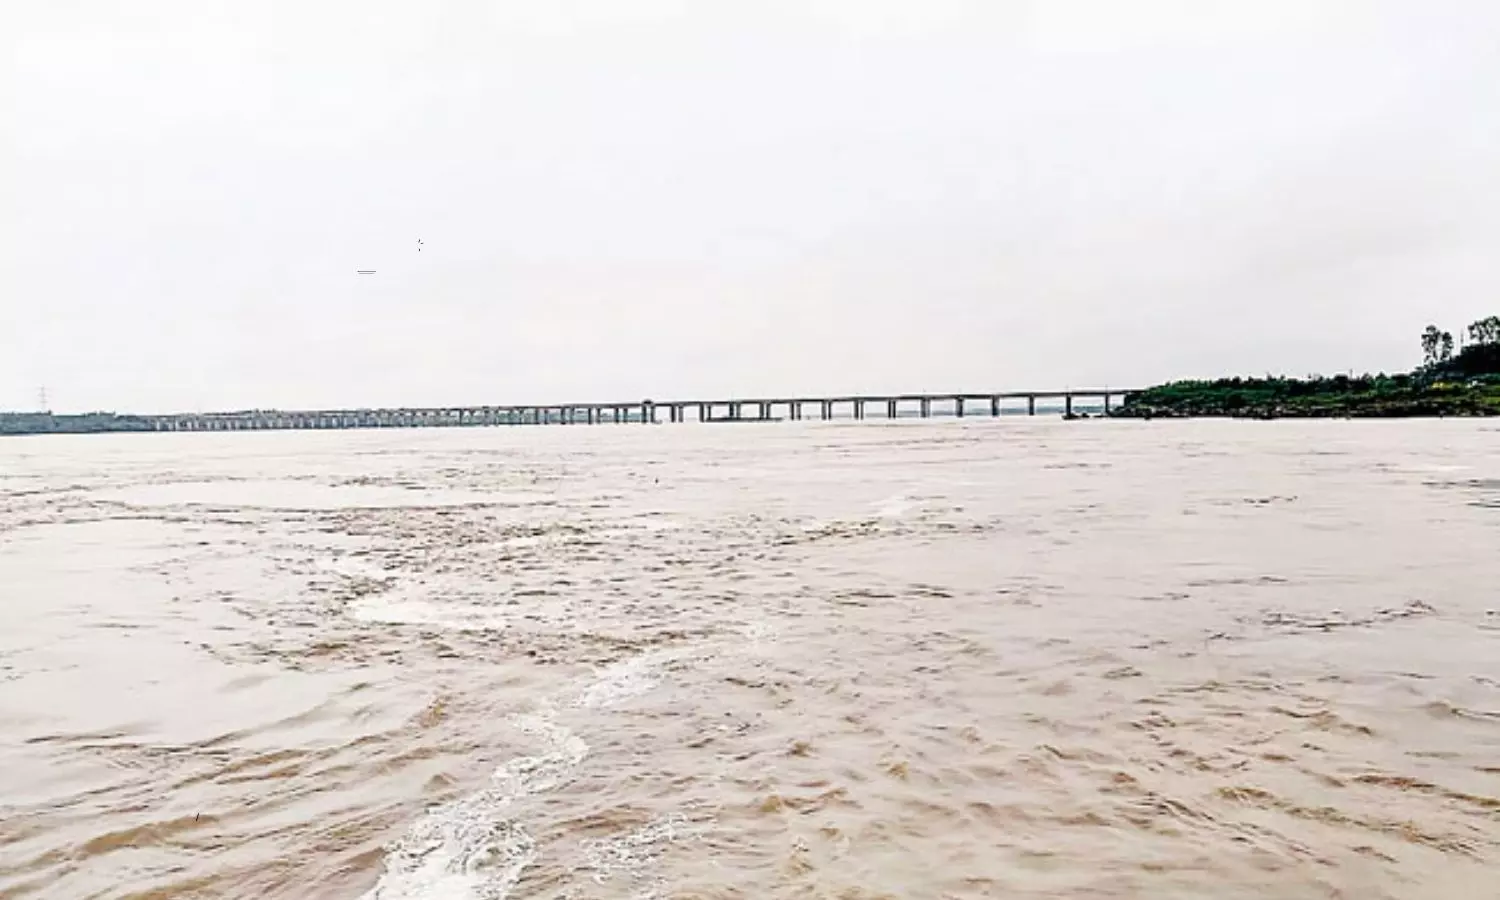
961,660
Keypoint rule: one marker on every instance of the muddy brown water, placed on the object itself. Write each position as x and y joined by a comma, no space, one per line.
921,660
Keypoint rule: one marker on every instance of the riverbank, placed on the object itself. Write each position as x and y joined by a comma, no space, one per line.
1401,396
85,423
1465,384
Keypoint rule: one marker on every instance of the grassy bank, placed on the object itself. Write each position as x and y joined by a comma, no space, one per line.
1447,384
1399,396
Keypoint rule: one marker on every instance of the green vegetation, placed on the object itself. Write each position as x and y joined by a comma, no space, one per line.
1465,383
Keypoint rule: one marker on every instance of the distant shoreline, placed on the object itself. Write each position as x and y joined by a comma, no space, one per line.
1465,384
1377,397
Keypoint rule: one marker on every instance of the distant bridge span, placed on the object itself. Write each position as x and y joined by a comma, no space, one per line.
752,409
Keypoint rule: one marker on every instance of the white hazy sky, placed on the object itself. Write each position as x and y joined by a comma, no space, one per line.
627,198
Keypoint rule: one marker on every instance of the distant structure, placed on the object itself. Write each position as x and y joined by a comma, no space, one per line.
887,407
851,407
364,271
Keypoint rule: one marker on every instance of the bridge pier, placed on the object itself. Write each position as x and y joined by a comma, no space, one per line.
1068,404
926,407
827,410
958,407
994,407
890,409
1031,404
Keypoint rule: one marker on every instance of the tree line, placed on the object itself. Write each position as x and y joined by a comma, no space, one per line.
1437,345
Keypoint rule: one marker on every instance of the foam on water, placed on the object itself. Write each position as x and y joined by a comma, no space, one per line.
534,774
894,506
388,610
621,681
757,635
629,855
473,848
464,850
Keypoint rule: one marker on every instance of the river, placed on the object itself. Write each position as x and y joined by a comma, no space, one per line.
1015,658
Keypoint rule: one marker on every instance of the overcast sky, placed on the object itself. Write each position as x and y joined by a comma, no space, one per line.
627,198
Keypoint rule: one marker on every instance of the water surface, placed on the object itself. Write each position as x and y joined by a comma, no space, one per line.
919,659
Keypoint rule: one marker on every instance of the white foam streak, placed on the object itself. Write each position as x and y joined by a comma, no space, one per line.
631,852
464,850
894,507
533,774
472,848
619,682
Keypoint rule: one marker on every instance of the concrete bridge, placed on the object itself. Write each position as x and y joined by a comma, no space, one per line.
759,409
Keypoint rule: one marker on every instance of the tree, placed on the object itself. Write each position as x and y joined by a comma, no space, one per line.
1445,347
1485,331
1432,339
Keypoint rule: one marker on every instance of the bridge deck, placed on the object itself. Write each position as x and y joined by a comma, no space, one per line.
706,410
